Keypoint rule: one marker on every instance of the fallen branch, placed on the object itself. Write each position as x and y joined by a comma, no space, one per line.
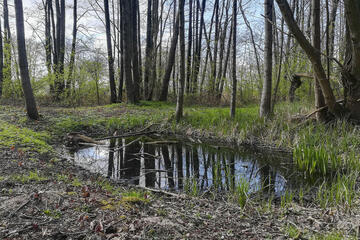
141,132
320,109
119,148
126,135
161,142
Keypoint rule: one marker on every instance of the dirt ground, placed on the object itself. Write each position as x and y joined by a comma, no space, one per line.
45,196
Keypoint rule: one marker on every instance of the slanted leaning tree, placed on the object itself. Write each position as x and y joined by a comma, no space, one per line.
351,69
23,63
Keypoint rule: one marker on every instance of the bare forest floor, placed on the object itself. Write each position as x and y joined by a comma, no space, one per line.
44,196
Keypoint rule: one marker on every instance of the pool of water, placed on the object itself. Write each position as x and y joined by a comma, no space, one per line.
177,165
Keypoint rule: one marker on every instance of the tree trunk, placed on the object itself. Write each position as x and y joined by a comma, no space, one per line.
48,45
196,64
252,38
121,51
265,105
149,46
127,12
109,51
7,44
188,63
351,79
316,39
234,80
180,95
59,48
73,48
170,62
25,79
1,61
135,56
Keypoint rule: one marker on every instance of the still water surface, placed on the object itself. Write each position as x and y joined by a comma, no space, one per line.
176,165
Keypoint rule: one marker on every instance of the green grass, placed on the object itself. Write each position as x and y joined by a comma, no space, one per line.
31,177
24,138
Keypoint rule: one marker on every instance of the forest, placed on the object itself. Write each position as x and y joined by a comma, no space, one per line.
179,119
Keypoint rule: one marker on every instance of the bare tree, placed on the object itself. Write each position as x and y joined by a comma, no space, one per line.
180,95
170,62
23,63
109,51
1,61
234,81
73,48
265,105
316,39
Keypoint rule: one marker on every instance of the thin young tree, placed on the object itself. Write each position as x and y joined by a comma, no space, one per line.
73,48
109,51
180,95
234,81
265,105
1,61
7,44
31,108
316,41
170,62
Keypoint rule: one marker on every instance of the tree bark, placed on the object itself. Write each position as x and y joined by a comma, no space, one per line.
109,53
197,59
24,71
48,45
7,44
188,63
351,79
180,95
234,80
316,39
73,48
265,105
170,62
1,61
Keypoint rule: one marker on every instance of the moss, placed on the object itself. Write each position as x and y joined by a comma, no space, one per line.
31,177
12,136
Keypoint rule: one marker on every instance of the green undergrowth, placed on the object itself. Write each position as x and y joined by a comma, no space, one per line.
14,137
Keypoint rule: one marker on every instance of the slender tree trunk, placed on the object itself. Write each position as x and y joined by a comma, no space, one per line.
129,55
316,38
170,62
135,56
196,64
109,51
73,48
1,61
216,40
149,45
280,65
234,80
252,37
180,96
7,68
48,45
351,77
138,40
121,57
265,105
25,78
188,63
332,30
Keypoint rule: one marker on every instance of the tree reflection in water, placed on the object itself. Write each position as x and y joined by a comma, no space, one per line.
167,166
